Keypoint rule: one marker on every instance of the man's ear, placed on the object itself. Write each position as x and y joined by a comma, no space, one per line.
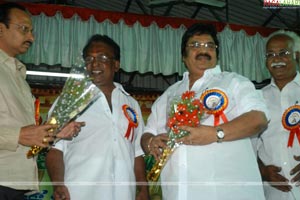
297,58
297,53
117,65
1,28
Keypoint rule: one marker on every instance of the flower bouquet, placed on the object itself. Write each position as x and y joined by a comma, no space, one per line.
77,94
186,111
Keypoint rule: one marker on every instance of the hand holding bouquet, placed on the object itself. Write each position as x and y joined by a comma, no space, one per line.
186,111
77,94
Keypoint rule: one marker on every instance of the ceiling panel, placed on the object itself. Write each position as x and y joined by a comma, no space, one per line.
246,12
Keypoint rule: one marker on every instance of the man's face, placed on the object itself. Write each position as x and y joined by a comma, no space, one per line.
101,64
280,58
200,54
18,37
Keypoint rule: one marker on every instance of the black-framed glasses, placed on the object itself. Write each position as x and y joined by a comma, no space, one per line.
206,45
100,58
24,29
280,54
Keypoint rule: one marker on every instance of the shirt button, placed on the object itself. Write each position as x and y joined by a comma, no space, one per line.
284,163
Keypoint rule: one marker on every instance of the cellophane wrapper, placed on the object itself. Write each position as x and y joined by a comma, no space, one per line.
184,111
77,94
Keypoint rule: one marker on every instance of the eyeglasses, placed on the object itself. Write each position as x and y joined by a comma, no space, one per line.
281,54
198,45
101,58
24,29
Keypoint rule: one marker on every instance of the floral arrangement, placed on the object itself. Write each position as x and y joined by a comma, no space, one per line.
77,94
185,111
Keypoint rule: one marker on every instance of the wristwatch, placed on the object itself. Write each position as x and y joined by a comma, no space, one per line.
220,134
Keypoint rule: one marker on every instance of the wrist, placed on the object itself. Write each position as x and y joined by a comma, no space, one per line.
220,134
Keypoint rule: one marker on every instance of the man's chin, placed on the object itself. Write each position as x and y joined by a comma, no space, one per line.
98,84
23,50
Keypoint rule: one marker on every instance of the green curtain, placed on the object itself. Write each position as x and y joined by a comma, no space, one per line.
143,49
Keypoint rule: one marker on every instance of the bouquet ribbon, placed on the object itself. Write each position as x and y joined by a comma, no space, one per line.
291,122
37,111
131,115
215,102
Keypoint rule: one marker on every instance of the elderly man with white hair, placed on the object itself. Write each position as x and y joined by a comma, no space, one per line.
279,145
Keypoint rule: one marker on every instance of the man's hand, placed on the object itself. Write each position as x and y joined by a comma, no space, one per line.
61,192
36,135
296,171
156,144
71,130
271,174
201,135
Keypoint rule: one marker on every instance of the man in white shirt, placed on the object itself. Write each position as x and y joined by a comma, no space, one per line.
278,147
105,161
216,160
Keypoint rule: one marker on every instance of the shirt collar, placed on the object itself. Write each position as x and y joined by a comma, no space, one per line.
120,87
296,80
207,73
6,58
3,56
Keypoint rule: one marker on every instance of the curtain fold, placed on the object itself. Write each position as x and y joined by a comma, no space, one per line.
243,54
152,48
143,49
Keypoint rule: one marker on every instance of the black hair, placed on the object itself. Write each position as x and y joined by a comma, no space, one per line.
199,29
104,39
5,9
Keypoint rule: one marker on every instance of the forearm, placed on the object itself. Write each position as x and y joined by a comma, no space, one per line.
145,142
55,165
140,174
246,125
139,169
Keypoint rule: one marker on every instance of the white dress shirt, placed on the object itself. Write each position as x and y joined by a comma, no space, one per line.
99,162
272,146
226,170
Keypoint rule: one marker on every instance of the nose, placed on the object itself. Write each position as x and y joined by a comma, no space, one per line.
202,50
93,65
30,36
97,63
277,57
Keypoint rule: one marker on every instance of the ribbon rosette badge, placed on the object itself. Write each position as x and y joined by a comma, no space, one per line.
215,102
291,122
186,111
132,118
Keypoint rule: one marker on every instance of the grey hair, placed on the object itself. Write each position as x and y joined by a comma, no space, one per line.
291,34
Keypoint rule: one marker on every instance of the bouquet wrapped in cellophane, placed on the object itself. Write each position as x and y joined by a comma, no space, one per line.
185,111
77,94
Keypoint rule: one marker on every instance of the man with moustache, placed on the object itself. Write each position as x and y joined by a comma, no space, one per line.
216,160
278,146
17,130
105,161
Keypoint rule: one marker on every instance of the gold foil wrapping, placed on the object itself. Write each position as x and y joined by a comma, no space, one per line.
154,173
34,150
